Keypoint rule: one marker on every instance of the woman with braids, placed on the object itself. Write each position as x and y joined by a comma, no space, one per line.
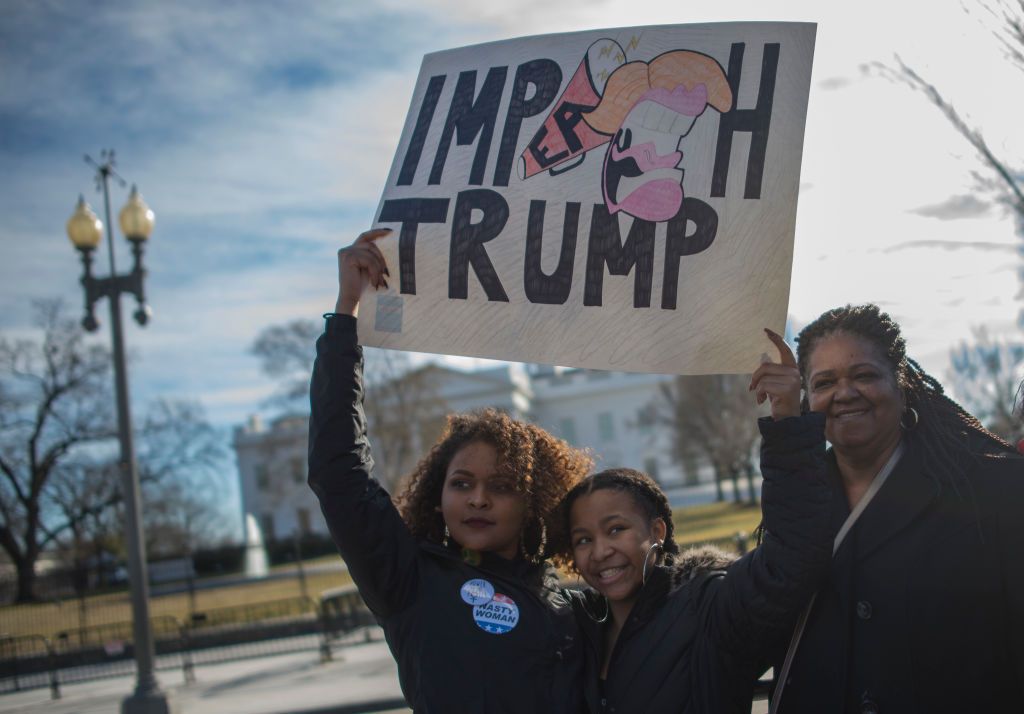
670,632
457,576
923,611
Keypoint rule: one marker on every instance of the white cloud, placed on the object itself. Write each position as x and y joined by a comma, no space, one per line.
256,182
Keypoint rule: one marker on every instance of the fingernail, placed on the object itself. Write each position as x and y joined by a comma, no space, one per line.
387,272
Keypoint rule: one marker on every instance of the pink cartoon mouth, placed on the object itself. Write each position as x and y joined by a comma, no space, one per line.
656,200
645,157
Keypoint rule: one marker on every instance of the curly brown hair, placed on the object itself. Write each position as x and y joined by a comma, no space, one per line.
542,467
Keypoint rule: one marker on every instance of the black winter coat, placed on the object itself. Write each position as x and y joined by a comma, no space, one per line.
702,631
923,612
519,653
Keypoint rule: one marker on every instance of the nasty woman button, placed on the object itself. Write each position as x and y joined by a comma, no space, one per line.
497,616
477,592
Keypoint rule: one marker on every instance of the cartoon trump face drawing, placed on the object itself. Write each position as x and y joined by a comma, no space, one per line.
647,108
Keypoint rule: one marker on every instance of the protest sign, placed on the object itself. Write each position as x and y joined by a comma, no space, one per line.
613,199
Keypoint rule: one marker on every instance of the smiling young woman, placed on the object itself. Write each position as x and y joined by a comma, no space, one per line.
671,633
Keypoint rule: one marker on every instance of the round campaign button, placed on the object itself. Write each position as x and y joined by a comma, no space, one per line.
477,592
497,616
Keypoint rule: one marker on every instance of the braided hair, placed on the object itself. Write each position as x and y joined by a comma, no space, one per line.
646,494
1018,402
950,437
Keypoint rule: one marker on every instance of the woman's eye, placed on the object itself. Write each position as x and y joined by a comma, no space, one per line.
458,483
866,376
504,487
821,384
583,540
616,529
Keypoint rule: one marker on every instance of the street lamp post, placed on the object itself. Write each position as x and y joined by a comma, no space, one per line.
85,231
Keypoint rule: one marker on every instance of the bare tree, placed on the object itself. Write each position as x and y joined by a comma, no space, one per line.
59,487
405,414
87,496
286,354
53,400
986,375
713,417
182,460
403,406
1000,177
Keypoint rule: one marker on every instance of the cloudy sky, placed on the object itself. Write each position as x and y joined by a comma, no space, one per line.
261,134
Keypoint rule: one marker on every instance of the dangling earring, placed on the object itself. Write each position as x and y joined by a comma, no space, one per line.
444,541
586,609
539,555
647,557
914,419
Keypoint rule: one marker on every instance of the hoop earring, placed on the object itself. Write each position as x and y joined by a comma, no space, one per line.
647,557
444,541
914,419
539,555
586,609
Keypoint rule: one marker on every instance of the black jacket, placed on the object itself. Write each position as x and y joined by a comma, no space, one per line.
451,656
702,631
923,612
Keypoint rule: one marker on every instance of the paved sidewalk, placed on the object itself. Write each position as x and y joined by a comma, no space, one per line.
361,678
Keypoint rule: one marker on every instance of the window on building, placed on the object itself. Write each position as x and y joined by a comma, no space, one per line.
305,525
605,426
651,467
267,526
567,429
262,477
298,469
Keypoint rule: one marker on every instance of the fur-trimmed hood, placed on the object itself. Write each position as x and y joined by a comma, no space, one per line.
697,561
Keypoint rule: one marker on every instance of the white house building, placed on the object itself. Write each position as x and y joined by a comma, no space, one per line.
611,413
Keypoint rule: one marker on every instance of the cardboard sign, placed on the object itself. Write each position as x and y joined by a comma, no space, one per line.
614,199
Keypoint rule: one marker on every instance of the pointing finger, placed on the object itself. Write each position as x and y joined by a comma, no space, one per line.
372,235
786,355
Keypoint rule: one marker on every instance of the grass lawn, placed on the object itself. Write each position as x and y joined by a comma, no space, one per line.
716,522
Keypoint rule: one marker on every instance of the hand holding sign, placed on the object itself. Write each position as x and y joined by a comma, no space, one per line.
778,381
359,266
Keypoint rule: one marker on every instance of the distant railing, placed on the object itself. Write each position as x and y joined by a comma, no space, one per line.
218,635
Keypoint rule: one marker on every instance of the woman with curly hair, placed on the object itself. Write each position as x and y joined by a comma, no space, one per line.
457,575
689,633
923,609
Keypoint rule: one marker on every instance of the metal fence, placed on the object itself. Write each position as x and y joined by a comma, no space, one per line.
220,635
